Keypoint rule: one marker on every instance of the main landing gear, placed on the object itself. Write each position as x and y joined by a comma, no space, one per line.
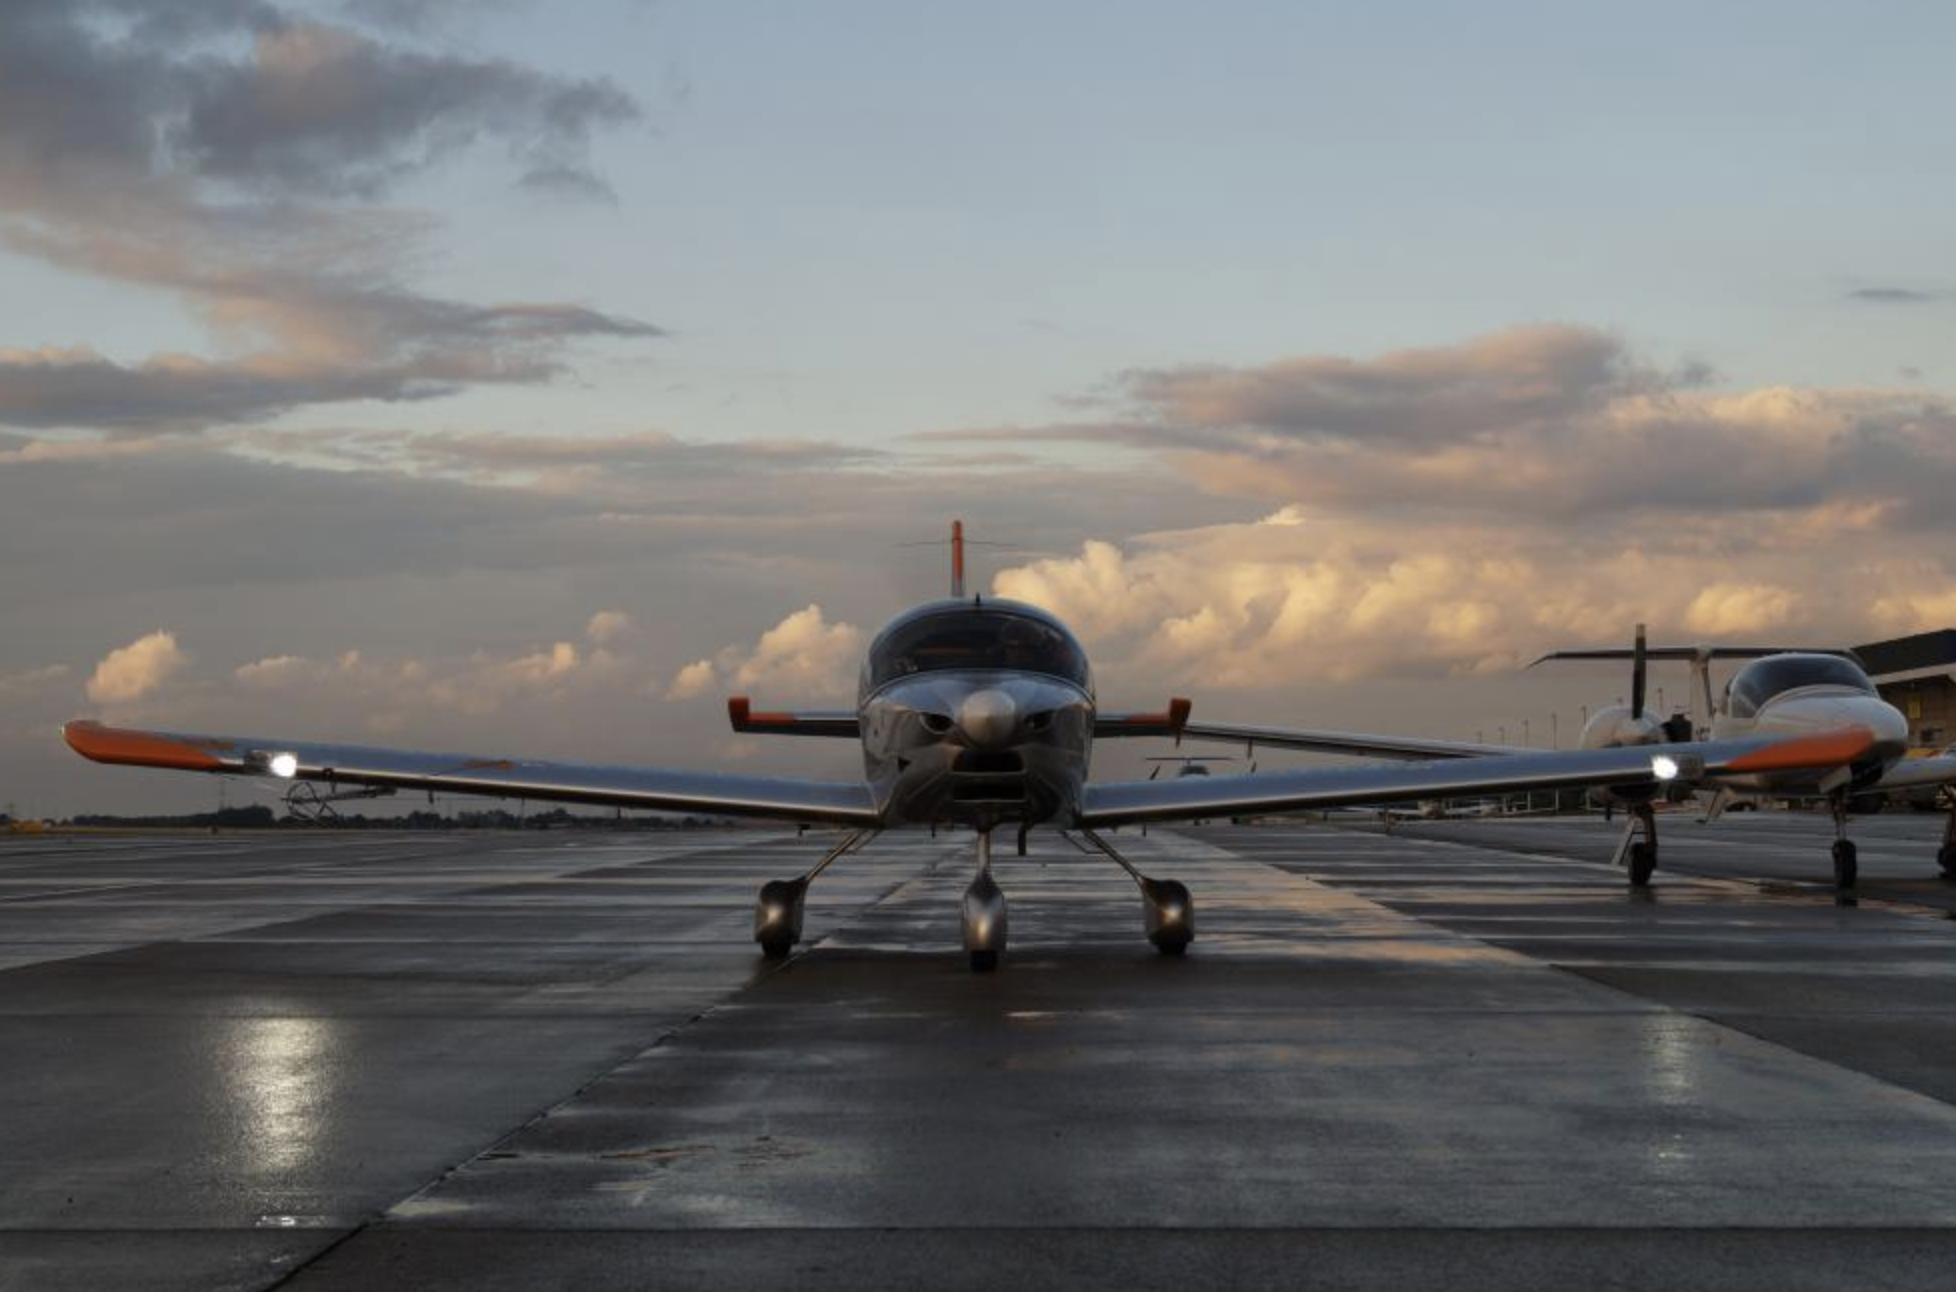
1639,855
1168,912
1847,861
777,915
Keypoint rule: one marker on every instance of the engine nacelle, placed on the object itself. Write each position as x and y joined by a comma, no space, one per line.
1616,727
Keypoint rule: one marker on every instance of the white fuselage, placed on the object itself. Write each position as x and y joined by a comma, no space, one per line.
1811,710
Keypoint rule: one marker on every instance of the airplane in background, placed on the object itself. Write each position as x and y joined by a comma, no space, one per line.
980,713
1778,693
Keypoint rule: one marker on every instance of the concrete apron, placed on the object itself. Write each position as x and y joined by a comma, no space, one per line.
1317,1061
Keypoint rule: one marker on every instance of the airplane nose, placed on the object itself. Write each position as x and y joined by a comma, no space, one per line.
1890,728
988,719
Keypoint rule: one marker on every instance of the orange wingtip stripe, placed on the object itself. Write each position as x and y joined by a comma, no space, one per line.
1175,717
742,714
103,744
1828,749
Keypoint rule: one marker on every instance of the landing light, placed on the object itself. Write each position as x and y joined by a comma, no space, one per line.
284,765
1664,767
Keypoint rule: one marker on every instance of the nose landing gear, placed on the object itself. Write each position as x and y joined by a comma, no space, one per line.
1168,912
984,912
1847,861
1639,855
778,912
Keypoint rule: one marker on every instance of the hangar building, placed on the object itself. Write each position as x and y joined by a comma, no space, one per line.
1918,676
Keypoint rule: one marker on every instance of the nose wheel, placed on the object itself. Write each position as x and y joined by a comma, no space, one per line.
1639,855
984,915
1847,863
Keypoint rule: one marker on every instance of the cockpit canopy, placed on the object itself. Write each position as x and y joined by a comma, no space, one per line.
963,635
1774,675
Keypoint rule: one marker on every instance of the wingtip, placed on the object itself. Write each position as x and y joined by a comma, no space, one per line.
104,744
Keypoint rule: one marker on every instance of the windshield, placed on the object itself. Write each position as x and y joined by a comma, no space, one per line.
1763,679
985,639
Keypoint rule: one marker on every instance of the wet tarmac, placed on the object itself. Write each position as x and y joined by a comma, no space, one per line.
1461,1054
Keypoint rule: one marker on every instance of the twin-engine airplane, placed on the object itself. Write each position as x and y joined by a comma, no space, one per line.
980,713
1780,693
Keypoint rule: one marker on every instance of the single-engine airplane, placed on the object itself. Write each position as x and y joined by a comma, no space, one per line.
1779,693
980,713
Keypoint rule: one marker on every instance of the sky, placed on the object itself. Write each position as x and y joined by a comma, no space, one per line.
524,379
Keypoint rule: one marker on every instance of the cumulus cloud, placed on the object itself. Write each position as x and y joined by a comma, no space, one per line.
478,684
1724,609
696,678
135,671
211,151
803,655
608,628
1306,596
1931,604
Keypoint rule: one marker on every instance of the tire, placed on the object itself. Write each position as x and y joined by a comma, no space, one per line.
984,961
776,950
1172,948
1643,864
1847,863
1946,858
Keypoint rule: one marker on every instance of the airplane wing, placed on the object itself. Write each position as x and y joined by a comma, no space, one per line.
1124,802
651,788
1343,742
1920,773
783,722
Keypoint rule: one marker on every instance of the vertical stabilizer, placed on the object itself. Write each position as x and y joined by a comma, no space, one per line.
957,559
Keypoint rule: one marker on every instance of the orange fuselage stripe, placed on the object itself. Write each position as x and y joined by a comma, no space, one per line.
1828,749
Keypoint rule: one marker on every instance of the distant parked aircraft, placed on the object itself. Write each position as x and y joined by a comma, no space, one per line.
1779,694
